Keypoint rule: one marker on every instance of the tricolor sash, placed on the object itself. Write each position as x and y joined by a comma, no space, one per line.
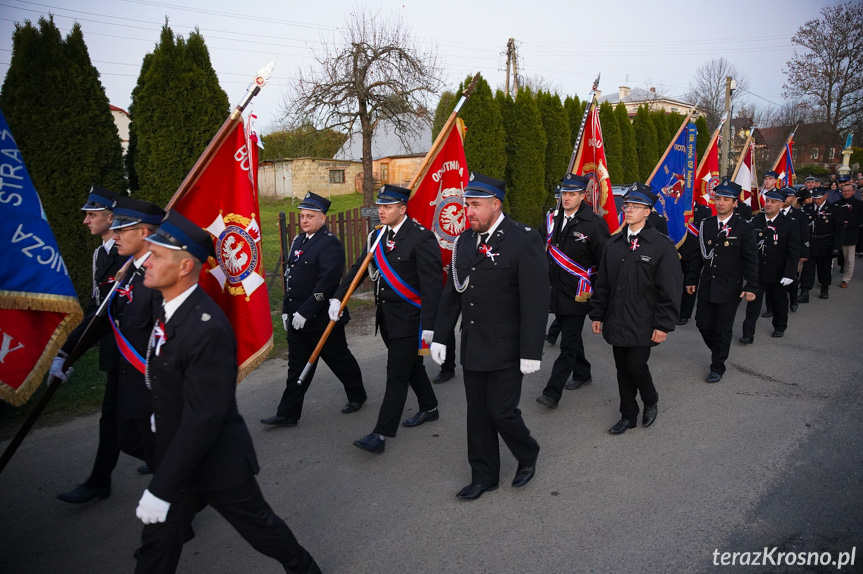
398,285
585,287
692,229
126,349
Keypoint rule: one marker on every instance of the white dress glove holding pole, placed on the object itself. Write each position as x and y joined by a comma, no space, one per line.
152,509
299,321
333,311
529,366
438,353
57,368
786,281
285,321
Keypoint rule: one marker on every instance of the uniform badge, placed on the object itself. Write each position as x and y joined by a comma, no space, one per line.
319,296
726,244
206,317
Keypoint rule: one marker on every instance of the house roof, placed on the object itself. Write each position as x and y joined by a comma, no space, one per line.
806,134
386,143
641,95
116,109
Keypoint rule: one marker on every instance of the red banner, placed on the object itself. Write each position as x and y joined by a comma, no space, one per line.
745,177
224,201
784,166
437,202
707,177
590,161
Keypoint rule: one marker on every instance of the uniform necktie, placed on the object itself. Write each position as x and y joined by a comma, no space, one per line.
483,238
305,238
391,244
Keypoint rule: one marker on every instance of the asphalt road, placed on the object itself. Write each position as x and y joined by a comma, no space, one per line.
772,456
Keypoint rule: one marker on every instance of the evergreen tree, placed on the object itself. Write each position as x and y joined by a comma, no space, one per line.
703,137
674,119
575,112
525,150
664,131
645,143
444,109
558,150
177,108
60,117
485,140
612,141
630,154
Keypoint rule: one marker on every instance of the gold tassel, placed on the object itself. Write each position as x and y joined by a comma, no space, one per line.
254,361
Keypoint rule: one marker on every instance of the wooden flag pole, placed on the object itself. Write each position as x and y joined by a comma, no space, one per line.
740,158
710,144
670,145
575,148
779,157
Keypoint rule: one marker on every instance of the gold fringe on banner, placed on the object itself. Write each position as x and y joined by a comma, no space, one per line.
21,301
254,361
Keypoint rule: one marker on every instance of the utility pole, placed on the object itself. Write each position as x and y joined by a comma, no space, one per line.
730,86
511,67
508,64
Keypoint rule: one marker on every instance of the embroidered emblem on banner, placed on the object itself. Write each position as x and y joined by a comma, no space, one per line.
449,217
238,254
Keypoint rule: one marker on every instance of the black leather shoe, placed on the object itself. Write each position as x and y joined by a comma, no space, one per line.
443,376
747,340
352,407
649,414
682,321
572,385
713,378
475,490
551,341
421,417
144,469
793,307
777,334
547,401
280,421
189,535
824,295
767,314
523,475
84,493
621,426
372,443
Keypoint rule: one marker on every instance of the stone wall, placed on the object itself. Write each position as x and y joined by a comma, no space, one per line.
294,177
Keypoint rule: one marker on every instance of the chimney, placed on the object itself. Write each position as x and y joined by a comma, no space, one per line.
623,92
652,90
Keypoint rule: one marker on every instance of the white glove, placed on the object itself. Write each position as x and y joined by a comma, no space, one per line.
333,311
285,321
427,337
57,368
438,353
152,509
529,366
299,321
153,422
786,281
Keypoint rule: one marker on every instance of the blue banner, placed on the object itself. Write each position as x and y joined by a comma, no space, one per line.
674,181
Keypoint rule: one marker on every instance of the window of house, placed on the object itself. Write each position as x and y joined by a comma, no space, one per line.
337,176
385,173
832,153
815,153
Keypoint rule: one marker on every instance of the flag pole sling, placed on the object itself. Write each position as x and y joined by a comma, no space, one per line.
420,172
189,181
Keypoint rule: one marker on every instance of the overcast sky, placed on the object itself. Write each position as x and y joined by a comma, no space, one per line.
631,42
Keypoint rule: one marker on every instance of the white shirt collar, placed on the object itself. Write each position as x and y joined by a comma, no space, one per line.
496,224
140,261
108,245
724,221
399,226
785,210
771,220
174,304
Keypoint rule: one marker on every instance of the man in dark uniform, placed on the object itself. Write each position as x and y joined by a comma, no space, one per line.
851,211
825,244
315,264
689,252
499,284
106,263
575,236
778,241
406,269
802,219
635,303
204,453
725,268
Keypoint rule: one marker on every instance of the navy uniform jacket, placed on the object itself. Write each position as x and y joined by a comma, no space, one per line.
744,210
779,250
201,439
827,229
637,291
505,304
314,273
109,356
851,212
803,222
582,241
416,259
689,249
733,267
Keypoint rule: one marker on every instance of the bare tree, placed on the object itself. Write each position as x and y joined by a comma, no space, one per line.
707,90
828,74
374,70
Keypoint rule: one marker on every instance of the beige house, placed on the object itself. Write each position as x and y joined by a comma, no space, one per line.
295,176
633,98
121,120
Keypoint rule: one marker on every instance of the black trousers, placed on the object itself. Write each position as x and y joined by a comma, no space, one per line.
687,301
108,451
137,439
449,362
571,360
492,410
335,354
824,268
633,377
404,368
715,322
554,328
778,297
244,507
